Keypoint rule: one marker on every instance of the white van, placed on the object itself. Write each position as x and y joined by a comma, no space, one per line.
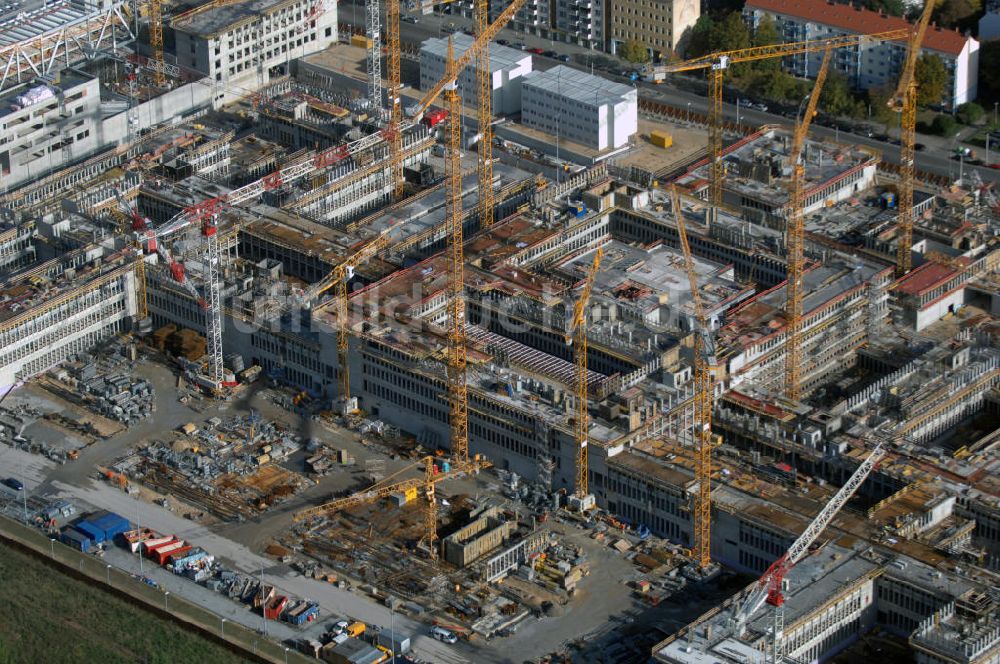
442,634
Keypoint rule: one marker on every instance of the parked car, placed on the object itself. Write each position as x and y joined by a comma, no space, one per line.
919,146
339,627
407,18
444,635
520,46
14,483
503,42
536,51
564,58
550,54
995,166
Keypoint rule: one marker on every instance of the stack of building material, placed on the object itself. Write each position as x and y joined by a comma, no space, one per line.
187,344
159,338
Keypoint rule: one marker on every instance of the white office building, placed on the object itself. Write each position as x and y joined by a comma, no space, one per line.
871,64
242,46
507,65
580,107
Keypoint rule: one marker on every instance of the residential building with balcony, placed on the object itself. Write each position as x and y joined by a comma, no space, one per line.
871,64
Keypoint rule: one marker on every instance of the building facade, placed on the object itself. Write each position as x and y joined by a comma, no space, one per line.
872,64
46,124
507,67
661,25
579,107
242,46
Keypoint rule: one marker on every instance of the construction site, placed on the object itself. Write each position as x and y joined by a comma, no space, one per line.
406,339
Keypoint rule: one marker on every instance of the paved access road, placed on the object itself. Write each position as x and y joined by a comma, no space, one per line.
936,158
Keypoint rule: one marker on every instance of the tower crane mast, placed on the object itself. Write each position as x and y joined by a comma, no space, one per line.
795,234
905,103
704,359
576,336
484,79
458,389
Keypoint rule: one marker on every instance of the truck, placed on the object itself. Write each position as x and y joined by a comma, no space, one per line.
355,629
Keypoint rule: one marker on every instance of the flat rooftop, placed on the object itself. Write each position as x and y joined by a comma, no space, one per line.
648,279
501,57
818,579
822,284
757,167
578,86
211,22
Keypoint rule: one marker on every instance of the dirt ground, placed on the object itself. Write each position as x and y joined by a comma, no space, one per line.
688,143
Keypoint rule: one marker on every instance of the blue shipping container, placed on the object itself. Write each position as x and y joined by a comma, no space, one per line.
303,616
75,539
95,534
112,525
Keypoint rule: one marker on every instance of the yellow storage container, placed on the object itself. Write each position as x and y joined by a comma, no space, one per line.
661,139
361,40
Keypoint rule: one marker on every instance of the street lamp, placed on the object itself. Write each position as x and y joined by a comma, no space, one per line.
222,627
166,595
52,546
688,120
286,654
109,575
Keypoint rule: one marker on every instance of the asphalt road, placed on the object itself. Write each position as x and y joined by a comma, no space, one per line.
935,159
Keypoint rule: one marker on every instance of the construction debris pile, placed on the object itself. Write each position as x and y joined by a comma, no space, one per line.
228,467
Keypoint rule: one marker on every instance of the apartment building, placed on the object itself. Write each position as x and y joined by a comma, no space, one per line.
583,22
868,65
580,107
242,46
46,124
661,25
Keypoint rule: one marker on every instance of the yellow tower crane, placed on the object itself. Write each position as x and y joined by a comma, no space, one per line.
702,383
395,103
576,336
458,389
795,237
338,278
718,63
484,37
905,102
156,40
484,80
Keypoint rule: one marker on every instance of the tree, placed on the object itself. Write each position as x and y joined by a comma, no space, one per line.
890,7
956,13
932,78
634,50
700,42
731,33
970,113
944,125
878,99
989,73
766,35
838,99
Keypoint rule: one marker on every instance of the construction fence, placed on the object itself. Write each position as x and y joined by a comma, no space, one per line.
244,641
